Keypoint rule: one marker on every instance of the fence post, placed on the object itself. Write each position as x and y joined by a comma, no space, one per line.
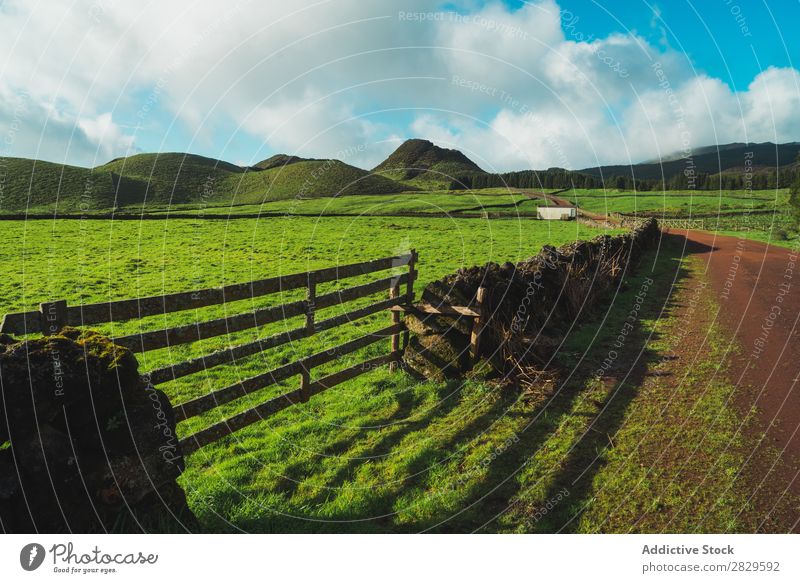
478,325
311,298
394,292
53,316
305,381
411,272
412,265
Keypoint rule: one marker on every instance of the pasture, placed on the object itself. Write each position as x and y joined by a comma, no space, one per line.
676,202
388,452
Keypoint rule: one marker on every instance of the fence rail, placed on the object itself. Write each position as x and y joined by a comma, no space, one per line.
53,316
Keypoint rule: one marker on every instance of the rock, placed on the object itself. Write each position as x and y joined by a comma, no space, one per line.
94,448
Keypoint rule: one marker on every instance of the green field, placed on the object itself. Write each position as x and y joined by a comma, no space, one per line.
95,260
493,201
677,203
387,452
123,259
759,215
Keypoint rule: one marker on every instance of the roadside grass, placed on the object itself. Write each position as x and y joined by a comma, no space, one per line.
665,448
780,236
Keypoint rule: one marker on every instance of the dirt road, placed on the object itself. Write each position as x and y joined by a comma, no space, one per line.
757,287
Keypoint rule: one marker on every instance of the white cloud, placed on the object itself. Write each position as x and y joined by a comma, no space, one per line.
34,129
321,77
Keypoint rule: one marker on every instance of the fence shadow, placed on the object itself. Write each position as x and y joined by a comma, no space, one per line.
585,458
500,495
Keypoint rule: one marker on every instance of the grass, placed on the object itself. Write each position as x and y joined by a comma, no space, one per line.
677,203
437,202
385,455
117,260
386,452
671,465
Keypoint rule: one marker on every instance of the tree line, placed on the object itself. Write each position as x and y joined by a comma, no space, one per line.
558,178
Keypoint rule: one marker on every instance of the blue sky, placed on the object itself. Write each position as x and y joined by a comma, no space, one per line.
515,85
712,33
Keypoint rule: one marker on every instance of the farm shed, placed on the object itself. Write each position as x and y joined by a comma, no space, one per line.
557,213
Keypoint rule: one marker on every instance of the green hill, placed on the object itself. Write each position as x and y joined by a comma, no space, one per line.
279,160
161,180
421,163
311,179
39,186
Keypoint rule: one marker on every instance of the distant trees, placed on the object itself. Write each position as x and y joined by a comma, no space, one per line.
559,178
794,197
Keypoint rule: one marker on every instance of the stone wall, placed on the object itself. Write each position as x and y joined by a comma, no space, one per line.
531,305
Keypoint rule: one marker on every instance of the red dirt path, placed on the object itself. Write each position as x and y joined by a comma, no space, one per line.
758,289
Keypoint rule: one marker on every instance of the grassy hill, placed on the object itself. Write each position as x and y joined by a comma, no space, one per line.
41,185
279,160
421,163
161,180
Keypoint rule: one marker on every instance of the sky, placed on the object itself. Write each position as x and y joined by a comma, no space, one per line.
513,84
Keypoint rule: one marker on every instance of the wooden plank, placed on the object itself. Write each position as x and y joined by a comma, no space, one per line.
230,355
156,339
394,292
117,311
224,428
478,325
232,392
359,291
225,356
444,310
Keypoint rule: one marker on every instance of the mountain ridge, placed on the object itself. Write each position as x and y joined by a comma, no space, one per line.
168,179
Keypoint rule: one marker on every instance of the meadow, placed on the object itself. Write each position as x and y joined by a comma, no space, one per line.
388,452
85,261
678,203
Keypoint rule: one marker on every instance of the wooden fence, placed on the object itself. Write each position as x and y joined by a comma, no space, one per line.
53,316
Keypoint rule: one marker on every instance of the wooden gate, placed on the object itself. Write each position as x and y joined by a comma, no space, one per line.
53,316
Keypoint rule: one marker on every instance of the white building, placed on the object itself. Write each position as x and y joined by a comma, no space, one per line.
557,213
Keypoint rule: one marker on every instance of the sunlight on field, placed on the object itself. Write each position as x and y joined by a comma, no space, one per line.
99,260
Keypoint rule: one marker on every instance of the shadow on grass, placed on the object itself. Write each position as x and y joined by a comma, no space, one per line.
586,456
496,496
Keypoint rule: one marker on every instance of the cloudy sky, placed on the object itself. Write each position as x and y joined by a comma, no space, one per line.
514,85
